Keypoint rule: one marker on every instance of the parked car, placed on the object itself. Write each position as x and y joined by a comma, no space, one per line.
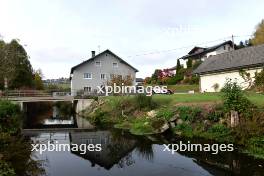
161,91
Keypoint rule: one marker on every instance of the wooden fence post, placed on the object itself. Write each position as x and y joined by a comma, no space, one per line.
234,119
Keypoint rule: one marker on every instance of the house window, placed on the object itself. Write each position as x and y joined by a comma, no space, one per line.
87,75
115,65
87,89
119,77
112,76
103,76
224,47
98,63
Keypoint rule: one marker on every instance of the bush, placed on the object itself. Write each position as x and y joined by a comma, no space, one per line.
234,99
219,130
9,117
215,115
259,81
185,128
144,102
171,80
165,114
195,80
188,113
6,170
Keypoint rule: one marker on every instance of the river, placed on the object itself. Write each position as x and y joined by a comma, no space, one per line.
122,154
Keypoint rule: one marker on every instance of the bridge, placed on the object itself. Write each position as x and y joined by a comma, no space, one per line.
27,96
35,96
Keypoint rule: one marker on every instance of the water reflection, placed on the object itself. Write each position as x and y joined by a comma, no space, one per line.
124,154
113,151
49,114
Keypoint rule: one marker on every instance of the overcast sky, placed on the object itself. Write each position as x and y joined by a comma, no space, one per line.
59,34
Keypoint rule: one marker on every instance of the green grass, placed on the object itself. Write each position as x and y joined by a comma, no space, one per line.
184,88
186,98
257,99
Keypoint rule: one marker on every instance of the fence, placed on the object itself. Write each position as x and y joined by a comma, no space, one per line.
31,93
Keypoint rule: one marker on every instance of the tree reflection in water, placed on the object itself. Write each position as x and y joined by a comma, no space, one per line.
17,151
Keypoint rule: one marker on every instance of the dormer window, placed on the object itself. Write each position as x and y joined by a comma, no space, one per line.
98,63
115,65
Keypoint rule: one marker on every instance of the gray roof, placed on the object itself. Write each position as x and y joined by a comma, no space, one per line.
106,51
205,50
249,57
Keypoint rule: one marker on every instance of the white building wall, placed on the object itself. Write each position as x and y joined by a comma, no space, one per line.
208,81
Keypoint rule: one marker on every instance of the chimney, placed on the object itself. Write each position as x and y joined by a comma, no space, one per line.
93,53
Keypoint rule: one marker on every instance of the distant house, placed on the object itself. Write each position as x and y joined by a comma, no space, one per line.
98,70
215,70
202,53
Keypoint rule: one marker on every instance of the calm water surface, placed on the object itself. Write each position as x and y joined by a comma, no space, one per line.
123,154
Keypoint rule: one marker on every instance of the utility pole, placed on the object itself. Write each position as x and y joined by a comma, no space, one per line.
98,49
233,42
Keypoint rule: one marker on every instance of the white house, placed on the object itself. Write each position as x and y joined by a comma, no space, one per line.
98,70
215,70
202,53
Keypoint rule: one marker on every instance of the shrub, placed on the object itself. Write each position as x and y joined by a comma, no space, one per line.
185,128
215,115
165,114
195,80
234,98
219,130
259,81
171,80
144,102
188,113
9,117
6,170
255,146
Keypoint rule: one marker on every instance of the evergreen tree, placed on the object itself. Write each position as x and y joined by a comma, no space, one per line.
178,66
189,63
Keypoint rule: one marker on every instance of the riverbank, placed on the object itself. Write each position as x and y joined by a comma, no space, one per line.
188,115
15,150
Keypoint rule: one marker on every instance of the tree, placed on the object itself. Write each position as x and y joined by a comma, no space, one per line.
189,63
259,81
156,75
259,34
38,83
234,98
15,65
178,66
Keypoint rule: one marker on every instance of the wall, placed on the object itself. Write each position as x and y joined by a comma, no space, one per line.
208,81
78,82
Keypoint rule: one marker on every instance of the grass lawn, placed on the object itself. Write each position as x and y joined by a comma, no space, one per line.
184,88
257,99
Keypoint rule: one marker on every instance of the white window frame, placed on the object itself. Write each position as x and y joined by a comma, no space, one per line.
104,76
99,64
116,65
112,76
87,89
91,77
